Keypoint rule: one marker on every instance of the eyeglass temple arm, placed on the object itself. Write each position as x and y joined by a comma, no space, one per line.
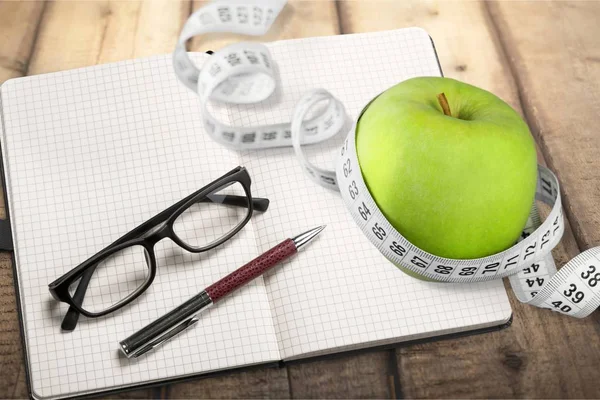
70,320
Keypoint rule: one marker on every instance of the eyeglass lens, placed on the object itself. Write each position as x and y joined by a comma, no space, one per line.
115,278
213,217
121,273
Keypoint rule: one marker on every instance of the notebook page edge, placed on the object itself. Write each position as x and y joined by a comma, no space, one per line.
17,268
431,336
502,296
20,304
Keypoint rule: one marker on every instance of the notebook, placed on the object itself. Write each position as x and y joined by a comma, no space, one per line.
91,153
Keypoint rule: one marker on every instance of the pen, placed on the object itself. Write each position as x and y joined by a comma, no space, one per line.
187,314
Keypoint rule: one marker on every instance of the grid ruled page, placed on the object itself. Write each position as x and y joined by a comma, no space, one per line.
340,292
90,154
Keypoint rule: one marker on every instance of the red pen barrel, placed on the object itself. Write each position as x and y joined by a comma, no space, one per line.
251,270
186,315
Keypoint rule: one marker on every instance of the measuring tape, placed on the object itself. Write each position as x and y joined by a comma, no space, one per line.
242,73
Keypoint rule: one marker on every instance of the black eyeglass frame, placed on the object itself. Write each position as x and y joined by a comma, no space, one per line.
147,235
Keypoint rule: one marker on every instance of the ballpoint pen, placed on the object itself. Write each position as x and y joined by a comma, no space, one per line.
187,314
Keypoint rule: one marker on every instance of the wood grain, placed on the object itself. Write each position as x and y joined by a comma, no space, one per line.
79,34
460,31
12,373
298,19
367,375
545,55
18,27
18,24
554,51
537,355
266,382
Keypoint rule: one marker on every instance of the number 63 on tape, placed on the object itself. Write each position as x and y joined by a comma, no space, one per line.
242,73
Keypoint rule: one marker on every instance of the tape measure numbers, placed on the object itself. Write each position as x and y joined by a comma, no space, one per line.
529,263
243,73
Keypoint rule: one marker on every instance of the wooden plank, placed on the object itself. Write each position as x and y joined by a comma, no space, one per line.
267,382
93,32
554,50
367,375
18,24
152,393
462,37
537,355
11,356
299,18
554,57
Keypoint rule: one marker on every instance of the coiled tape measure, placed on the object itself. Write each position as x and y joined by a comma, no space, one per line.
242,73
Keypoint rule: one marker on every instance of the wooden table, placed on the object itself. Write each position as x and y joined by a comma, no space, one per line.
541,57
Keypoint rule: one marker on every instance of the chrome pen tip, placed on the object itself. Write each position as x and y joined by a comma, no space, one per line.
304,238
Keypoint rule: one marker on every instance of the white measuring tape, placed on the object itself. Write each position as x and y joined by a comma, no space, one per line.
242,73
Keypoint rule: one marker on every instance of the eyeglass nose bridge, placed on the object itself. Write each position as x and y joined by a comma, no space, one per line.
157,233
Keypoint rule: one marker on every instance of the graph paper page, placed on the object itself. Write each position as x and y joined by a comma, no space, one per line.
90,154
341,292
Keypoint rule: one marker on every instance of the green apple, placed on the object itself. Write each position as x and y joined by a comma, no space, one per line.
455,173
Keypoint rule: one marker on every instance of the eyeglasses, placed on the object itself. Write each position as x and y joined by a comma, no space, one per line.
119,273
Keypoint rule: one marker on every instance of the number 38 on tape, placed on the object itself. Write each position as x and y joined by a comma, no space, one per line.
572,290
242,73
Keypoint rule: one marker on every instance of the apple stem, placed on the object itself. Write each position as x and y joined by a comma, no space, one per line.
444,103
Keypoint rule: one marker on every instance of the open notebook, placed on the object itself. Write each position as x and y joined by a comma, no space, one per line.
91,153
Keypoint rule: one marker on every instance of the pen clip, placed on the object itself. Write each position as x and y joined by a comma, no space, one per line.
166,336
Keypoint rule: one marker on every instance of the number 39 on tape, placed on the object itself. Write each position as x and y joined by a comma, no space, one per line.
242,73
573,290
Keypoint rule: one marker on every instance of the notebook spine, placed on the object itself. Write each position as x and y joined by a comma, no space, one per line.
6,243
